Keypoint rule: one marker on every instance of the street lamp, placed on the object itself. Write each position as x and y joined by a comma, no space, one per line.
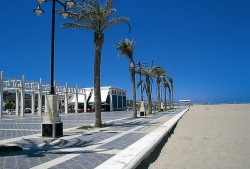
64,14
52,125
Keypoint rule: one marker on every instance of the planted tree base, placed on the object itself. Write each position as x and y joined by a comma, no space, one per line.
89,127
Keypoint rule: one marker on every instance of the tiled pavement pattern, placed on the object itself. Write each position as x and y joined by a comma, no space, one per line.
88,148
12,126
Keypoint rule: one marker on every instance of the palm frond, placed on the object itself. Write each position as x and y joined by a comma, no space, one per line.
126,47
158,72
91,5
171,81
117,20
151,79
144,88
108,4
76,25
139,84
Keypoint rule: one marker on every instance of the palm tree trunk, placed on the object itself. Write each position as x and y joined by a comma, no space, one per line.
148,91
98,39
132,75
158,95
170,99
165,98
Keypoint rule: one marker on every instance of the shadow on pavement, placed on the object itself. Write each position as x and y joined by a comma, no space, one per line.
31,148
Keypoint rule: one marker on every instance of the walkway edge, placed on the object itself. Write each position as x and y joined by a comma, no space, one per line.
132,156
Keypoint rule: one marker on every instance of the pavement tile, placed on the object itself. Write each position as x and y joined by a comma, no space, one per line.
122,142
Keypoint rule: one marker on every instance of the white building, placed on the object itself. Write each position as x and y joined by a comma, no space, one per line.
112,98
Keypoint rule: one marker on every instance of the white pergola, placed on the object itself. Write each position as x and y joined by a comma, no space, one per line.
22,86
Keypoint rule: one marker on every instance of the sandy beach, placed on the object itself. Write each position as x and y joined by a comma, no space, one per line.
207,137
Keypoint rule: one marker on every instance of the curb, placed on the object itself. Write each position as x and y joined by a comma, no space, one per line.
132,156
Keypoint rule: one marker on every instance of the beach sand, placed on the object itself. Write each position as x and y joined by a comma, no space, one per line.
207,137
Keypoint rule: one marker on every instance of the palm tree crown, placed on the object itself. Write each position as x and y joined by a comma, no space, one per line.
126,48
158,73
89,14
148,85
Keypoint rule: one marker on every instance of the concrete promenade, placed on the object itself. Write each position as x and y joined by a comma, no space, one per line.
78,148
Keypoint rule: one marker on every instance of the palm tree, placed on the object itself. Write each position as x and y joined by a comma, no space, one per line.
90,15
148,85
166,86
172,91
126,48
158,73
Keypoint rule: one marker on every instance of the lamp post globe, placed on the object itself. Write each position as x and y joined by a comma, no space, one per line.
70,3
38,10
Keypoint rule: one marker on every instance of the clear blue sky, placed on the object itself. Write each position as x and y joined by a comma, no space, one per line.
207,42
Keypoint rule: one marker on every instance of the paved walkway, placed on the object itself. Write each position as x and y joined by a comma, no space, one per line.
78,148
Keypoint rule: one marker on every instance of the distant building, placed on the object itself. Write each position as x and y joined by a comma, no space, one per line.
112,98
185,102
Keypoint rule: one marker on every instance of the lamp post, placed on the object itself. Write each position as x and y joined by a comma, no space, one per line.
140,67
52,125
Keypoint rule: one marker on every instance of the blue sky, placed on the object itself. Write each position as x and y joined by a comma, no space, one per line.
205,42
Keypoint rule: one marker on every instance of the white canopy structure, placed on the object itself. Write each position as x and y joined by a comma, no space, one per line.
112,98
82,98
104,95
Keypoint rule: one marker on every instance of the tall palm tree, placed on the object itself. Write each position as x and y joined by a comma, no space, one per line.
126,48
166,86
90,15
172,91
148,85
158,73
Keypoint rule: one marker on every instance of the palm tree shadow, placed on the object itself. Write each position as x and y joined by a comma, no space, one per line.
31,148
130,124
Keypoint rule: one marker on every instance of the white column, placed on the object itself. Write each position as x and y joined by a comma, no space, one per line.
66,100
76,103
111,100
1,94
22,111
17,102
40,96
33,102
85,101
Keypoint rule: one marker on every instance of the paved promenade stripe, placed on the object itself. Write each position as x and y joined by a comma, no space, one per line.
55,161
